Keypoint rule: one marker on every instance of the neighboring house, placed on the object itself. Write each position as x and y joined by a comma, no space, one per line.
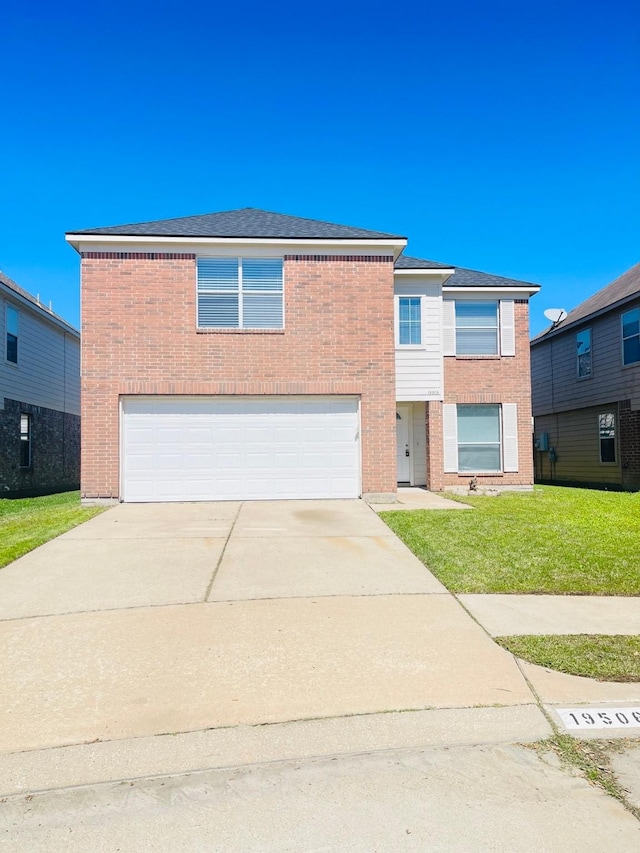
249,355
39,397
586,391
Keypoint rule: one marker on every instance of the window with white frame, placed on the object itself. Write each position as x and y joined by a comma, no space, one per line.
11,317
409,321
607,435
631,336
476,327
479,438
25,440
583,353
240,293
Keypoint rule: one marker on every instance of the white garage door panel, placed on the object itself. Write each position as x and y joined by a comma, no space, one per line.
232,449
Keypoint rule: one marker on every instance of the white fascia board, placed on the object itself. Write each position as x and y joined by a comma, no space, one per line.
106,242
40,311
499,291
447,271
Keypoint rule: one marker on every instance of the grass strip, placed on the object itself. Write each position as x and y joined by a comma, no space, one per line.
601,656
26,523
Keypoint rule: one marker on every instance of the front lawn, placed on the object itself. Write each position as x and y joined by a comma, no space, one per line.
28,522
553,540
599,656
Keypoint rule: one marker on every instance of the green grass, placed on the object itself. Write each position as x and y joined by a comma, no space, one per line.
552,540
29,522
599,656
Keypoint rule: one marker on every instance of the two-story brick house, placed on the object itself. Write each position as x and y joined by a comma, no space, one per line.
39,397
586,390
249,355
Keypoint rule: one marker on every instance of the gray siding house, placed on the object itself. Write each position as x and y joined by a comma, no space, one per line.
585,376
39,397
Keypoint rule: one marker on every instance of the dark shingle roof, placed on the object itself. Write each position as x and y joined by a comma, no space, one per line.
461,277
472,278
20,291
246,222
407,263
623,288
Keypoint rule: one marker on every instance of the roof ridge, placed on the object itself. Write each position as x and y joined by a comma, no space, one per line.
242,222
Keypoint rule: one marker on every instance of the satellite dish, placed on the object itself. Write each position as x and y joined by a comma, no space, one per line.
556,315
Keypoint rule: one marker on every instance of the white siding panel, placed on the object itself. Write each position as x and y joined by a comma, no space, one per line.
507,327
191,449
419,444
450,430
48,369
419,369
510,436
448,327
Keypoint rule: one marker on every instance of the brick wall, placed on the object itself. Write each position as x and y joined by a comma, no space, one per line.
139,337
55,451
486,380
629,444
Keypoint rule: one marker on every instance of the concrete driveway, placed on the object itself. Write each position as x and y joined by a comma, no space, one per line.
155,619
266,676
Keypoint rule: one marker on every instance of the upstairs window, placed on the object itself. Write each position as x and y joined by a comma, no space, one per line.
631,336
583,353
11,327
240,293
409,321
25,441
607,432
476,328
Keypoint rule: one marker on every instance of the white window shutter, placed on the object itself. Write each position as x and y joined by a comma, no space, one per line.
510,436
507,327
450,432
449,327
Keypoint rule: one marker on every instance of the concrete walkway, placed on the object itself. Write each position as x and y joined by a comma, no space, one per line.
416,497
502,615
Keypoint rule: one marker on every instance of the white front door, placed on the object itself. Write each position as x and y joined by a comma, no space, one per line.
403,446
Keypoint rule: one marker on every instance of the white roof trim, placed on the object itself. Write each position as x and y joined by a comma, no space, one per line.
77,240
425,271
496,288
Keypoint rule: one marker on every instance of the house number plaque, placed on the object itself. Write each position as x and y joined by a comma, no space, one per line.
600,718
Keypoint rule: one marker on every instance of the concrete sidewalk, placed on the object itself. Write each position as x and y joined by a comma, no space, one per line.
502,615
504,799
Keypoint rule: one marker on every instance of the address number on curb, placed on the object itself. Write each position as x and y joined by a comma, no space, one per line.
599,718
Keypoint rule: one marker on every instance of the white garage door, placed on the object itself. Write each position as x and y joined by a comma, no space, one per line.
251,448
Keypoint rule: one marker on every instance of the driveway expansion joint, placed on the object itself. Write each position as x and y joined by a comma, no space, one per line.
220,558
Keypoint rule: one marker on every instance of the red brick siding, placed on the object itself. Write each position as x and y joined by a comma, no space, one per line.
486,380
139,337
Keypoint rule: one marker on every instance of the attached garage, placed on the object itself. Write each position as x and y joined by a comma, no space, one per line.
239,448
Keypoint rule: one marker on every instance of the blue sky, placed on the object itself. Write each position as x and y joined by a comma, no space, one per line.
498,136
